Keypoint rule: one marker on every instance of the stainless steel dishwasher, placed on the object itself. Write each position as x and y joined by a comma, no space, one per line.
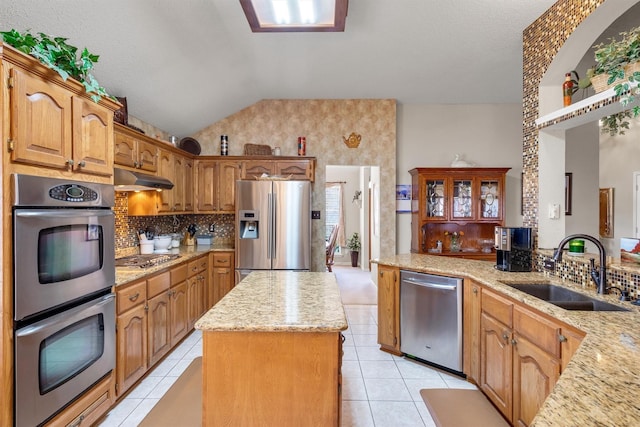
431,318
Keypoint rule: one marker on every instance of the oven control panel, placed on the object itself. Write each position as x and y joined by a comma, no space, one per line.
73,193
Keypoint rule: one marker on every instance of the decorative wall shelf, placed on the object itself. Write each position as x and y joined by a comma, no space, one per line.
587,110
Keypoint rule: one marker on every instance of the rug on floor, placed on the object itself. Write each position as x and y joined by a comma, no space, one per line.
182,403
356,286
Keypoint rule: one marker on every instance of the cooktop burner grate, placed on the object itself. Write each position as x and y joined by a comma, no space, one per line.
144,261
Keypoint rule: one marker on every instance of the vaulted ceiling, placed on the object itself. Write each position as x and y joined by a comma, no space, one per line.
184,64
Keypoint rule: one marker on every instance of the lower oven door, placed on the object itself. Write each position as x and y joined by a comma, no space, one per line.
58,358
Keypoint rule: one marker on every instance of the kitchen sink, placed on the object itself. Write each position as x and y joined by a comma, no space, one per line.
564,298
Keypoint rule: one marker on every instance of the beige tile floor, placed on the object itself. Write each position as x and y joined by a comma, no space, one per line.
379,390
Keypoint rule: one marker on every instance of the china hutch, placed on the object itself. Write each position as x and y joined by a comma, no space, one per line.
454,211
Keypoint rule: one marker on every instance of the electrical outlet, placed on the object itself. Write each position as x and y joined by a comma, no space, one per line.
315,214
549,264
212,228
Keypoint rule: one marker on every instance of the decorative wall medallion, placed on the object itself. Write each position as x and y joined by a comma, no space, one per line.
353,141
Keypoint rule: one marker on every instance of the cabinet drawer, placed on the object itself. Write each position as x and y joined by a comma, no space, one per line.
158,284
179,274
198,266
131,296
538,330
497,307
222,260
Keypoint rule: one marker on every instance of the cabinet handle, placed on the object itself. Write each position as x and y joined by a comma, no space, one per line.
141,163
562,338
475,290
505,336
134,297
514,342
82,163
77,423
135,164
70,162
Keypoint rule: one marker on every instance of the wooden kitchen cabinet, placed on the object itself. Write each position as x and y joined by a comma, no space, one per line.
159,334
131,327
215,185
221,280
521,356
178,305
197,282
471,330
298,168
448,200
179,170
389,309
53,123
132,151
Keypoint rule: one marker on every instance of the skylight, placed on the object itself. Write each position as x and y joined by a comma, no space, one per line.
295,15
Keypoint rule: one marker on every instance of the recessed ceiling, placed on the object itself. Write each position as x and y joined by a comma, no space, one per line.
186,64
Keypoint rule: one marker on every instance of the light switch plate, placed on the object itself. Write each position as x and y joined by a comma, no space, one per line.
315,214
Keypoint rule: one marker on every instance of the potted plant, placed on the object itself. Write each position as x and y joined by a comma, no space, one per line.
353,244
57,54
618,65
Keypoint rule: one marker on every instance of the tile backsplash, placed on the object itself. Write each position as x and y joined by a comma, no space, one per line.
127,227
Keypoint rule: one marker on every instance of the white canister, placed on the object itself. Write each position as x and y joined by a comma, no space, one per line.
146,247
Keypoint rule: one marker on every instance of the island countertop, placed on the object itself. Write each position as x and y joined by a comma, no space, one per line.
601,384
275,301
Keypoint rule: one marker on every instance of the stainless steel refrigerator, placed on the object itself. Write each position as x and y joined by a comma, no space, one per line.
273,226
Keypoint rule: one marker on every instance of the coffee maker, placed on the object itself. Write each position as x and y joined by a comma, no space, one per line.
514,248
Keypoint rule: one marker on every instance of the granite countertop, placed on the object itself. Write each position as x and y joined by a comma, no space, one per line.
601,384
128,274
278,301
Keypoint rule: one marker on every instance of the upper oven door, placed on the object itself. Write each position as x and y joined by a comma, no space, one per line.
60,255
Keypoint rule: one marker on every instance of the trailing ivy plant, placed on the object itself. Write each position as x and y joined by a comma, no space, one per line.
57,54
616,124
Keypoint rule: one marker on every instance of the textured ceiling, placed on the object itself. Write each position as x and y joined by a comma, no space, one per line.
184,64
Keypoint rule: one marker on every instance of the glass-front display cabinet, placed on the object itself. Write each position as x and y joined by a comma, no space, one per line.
455,210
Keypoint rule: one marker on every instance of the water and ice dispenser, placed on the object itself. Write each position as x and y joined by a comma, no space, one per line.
249,224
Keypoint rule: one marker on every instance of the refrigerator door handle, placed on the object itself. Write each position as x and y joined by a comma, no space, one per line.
274,224
270,226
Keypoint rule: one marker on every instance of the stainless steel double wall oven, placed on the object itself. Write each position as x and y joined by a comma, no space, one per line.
64,309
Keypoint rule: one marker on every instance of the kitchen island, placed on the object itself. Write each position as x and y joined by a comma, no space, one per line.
600,385
272,351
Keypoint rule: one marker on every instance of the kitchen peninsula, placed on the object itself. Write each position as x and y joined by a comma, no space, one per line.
272,351
594,377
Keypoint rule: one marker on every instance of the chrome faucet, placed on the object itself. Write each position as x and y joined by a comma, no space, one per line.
599,278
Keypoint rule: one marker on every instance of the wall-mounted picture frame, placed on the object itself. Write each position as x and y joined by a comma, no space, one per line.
568,186
403,198
606,213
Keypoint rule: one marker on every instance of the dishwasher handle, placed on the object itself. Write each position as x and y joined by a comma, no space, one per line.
429,285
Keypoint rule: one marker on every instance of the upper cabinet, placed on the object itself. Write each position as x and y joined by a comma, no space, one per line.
295,168
53,123
132,152
215,185
463,202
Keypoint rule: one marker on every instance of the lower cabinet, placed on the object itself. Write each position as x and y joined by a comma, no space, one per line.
153,315
389,309
522,354
221,280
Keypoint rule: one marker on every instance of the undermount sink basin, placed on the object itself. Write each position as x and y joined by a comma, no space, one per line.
564,298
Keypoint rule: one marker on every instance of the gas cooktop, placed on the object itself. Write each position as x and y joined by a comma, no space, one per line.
144,261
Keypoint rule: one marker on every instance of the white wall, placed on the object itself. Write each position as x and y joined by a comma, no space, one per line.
487,135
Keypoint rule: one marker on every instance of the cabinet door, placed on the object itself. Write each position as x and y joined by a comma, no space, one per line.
40,121
92,137
435,198
298,169
471,333
253,169
178,312
147,156
196,298
388,309
491,195
124,151
570,340
206,172
131,350
535,372
187,189
462,199
159,332
496,363
178,183
222,284
228,173
166,170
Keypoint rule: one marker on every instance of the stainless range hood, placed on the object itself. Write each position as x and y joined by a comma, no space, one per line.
126,180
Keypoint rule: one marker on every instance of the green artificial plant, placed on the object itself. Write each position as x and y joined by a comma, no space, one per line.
57,54
354,243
